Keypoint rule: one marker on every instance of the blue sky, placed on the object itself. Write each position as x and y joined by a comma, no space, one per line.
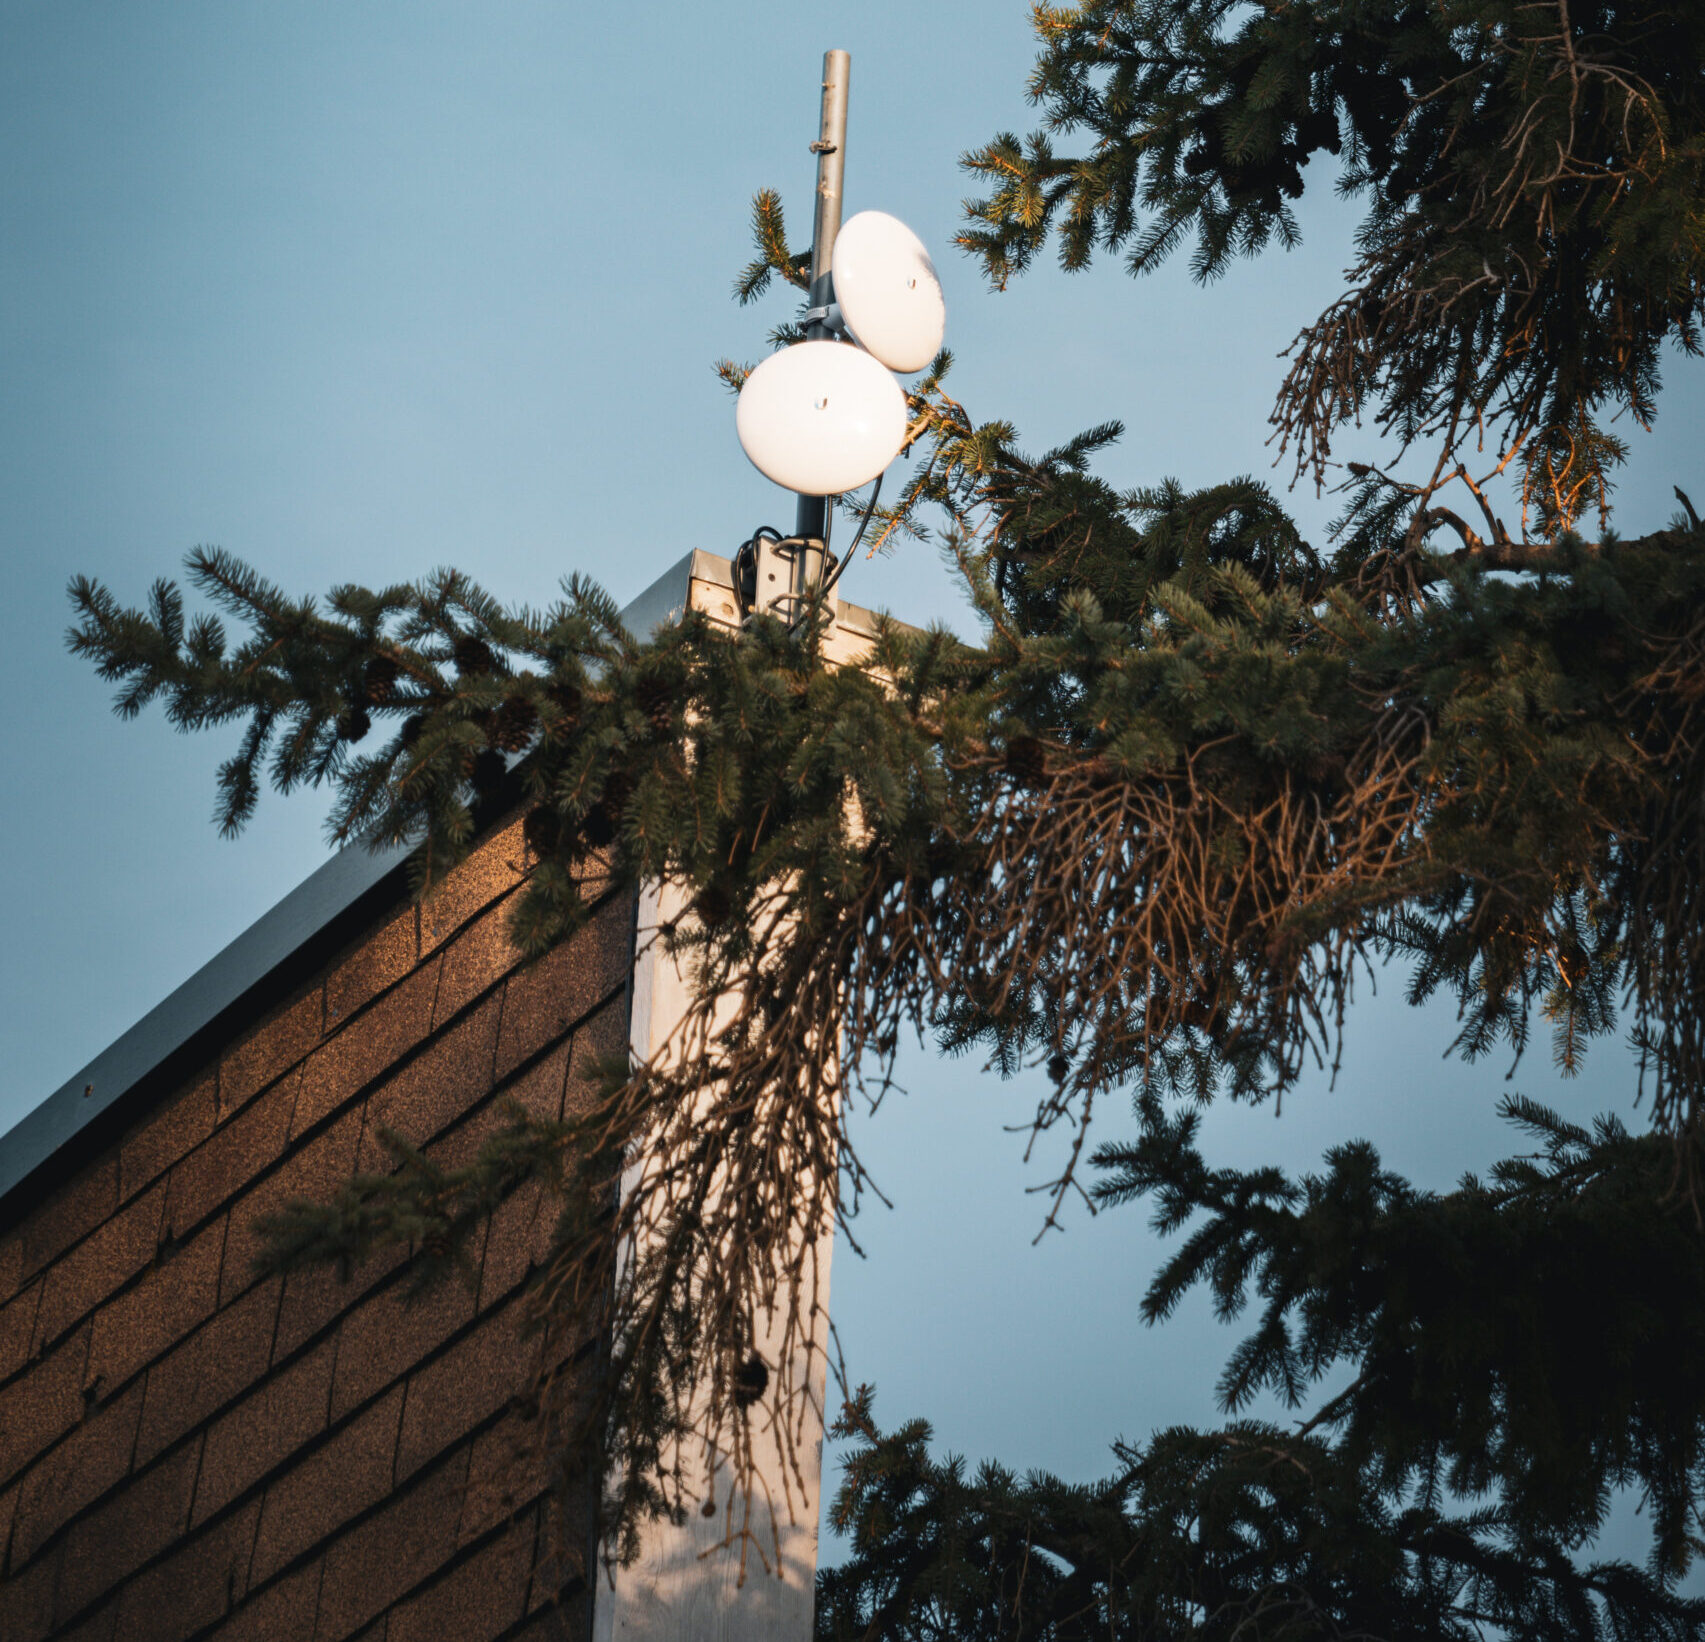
358,291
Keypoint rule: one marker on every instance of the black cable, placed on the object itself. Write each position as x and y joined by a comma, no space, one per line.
746,563
869,509
749,547
852,547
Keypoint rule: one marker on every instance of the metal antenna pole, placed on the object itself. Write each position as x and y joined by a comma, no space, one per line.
811,521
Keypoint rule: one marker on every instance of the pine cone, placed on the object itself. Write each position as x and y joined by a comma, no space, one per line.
1027,761
543,831
598,826
513,723
1326,769
412,726
1059,1068
1198,1011
353,723
565,697
1319,129
714,903
380,679
474,656
602,820
656,698
752,1381
489,769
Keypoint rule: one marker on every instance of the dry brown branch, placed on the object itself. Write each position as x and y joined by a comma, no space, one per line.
1433,336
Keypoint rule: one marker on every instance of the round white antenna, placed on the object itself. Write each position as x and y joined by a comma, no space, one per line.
821,418
888,291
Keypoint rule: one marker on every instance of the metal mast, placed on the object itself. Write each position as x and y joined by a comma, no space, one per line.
811,519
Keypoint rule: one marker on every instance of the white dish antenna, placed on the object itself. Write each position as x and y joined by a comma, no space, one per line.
821,418
888,292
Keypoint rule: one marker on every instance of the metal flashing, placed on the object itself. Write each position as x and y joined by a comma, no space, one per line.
223,982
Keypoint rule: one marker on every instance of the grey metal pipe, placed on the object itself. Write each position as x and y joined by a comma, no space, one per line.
811,518
831,151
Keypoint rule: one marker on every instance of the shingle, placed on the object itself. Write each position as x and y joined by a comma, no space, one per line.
519,1240
477,1599
540,1088
601,1037
379,960
508,1470
317,1295
228,1353
230,1158
353,1057
281,1613
489,873
313,1171
538,1091
11,1263
17,1327
390,1553
386,1335
453,1393
27,1613
8,1509
476,960
452,1074
263,1430
563,1565
265,1461
521,1227
543,1000
179,1122
43,1404
197,1584
570,1621
100,1626
136,1327
77,1208
269,1051
109,1256
94,1458
117,1538
339,1479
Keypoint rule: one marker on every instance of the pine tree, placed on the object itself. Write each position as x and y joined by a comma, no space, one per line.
1527,1341
1193,773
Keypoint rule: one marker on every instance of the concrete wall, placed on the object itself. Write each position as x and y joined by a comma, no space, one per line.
686,1585
187,1451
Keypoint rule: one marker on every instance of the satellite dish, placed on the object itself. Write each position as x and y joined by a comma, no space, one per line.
888,291
821,418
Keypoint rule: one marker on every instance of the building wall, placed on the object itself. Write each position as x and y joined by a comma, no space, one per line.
688,1583
189,1451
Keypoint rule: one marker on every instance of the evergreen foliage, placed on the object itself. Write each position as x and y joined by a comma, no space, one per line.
1532,1341
1246,1532
1533,172
1192,775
